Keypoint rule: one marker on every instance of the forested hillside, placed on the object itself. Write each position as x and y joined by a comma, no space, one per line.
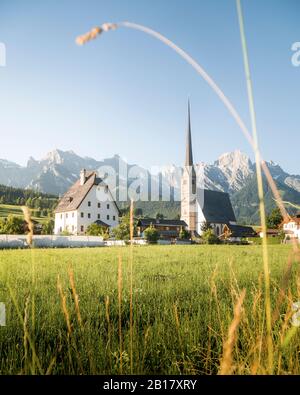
28,197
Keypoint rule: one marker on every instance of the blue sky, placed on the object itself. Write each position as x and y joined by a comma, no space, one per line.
126,93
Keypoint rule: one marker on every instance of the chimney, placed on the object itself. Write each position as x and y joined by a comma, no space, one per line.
82,176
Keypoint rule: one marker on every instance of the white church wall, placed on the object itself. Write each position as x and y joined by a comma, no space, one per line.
200,219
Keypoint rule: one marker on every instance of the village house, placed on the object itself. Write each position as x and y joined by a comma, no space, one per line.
168,229
270,232
88,201
201,207
291,228
237,232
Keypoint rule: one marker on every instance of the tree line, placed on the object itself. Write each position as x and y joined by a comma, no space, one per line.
27,197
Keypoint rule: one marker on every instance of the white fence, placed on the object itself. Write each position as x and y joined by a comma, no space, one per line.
123,243
115,243
20,241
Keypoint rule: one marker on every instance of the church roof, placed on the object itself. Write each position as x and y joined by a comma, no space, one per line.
242,231
216,206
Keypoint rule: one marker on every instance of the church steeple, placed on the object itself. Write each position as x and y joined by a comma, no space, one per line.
189,151
188,183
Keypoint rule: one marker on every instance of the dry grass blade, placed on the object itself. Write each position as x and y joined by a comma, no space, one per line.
120,311
27,216
109,334
260,188
226,366
75,296
91,35
64,305
200,70
131,285
29,339
25,330
131,221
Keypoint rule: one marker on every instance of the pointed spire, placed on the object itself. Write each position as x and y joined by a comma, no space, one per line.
189,152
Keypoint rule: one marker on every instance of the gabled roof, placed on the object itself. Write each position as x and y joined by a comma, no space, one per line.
295,219
241,231
162,222
101,223
216,206
73,198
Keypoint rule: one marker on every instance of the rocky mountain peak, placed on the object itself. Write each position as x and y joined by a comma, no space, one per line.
236,166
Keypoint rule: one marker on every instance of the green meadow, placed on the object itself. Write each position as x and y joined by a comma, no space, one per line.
16,210
80,311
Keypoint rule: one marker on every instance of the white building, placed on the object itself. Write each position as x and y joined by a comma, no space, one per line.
200,207
88,201
291,228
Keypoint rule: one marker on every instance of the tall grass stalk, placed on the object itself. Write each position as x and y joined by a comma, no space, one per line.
75,296
25,338
71,342
120,280
83,39
226,366
35,360
30,225
109,330
80,40
259,186
131,285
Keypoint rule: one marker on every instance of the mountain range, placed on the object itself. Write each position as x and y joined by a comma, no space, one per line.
232,172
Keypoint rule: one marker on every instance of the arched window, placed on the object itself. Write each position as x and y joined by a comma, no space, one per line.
218,230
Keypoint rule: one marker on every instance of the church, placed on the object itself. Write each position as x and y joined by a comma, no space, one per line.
202,207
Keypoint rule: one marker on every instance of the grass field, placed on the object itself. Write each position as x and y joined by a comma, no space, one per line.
183,305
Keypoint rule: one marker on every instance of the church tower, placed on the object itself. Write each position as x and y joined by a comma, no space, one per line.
188,183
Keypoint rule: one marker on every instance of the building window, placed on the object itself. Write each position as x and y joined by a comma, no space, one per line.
114,217
98,216
107,217
72,215
82,228
73,228
89,215
107,206
99,205
106,189
82,215
60,229
89,204
67,215
60,216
